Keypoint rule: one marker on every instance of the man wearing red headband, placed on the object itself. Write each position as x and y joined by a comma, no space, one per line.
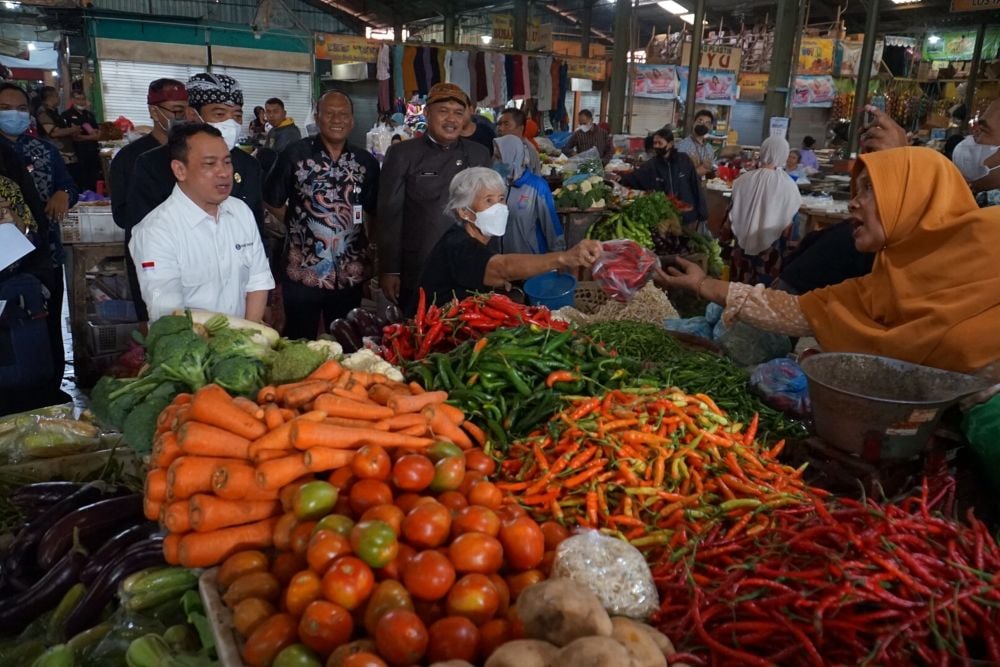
168,106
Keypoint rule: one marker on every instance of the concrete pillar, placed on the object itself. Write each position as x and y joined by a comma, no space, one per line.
619,66
397,28
449,23
864,73
586,17
977,60
697,32
520,24
778,80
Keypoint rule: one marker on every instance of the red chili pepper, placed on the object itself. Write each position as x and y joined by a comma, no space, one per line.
433,336
421,311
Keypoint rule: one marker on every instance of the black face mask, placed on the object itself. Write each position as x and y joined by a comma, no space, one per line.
700,130
661,152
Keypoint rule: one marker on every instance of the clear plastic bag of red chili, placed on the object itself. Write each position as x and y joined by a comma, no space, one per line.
623,268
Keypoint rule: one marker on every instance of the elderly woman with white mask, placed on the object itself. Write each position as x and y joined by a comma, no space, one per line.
765,202
462,262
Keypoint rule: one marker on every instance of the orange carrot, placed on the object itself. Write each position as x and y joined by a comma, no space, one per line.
200,439
209,513
363,378
419,431
357,394
172,548
321,459
165,450
275,473
189,475
379,378
151,509
238,481
166,418
183,398
299,393
476,433
213,406
267,394
328,370
268,454
380,393
456,416
400,422
442,427
208,549
181,416
288,415
272,416
309,434
176,517
249,407
278,438
337,406
155,487
416,389
401,404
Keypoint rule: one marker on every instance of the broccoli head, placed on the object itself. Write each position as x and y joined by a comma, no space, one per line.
294,361
139,427
165,326
238,375
181,357
235,343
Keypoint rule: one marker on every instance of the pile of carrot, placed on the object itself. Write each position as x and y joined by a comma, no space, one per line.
656,467
219,463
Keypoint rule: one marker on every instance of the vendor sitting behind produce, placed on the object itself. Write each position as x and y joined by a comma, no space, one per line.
933,296
672,172
462,262
201,248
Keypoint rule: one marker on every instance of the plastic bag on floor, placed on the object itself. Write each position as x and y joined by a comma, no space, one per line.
696,326
748,346
982,428
783,385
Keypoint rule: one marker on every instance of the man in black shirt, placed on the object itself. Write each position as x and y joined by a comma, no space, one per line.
85,144
328,186
218,100
672,172
168,105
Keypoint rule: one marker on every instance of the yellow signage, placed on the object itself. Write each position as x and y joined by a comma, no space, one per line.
753,86
715,57
539,36
974,5
346,49
816,55
586,68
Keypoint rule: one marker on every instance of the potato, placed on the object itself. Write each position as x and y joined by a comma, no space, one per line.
593,652
662,641
642,650
524,653
561,610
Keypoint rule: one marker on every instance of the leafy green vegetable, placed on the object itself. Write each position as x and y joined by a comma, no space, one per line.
181,357
165,326
238,375
639,220
294,361
139,426
235,343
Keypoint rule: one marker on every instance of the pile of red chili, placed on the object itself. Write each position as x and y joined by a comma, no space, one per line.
838,583
441,329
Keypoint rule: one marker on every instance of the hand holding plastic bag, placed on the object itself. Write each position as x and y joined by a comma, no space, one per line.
623,268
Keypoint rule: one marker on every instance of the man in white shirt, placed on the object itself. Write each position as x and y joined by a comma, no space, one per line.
201,248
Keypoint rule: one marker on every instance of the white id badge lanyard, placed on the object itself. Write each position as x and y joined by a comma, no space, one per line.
356,213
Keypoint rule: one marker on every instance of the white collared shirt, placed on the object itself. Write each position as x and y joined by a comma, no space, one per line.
186,258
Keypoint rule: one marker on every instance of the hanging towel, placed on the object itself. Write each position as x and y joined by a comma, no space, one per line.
411,82
518,71
460,70
526,76
399,87
426,57
440,65
508,71
473,82
544,102
479,94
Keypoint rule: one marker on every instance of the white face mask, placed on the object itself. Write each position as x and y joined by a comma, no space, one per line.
492,221
586,127
970,156
230,130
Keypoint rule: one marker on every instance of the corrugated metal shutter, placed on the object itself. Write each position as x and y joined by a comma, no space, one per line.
292,88
124,85
748,121
808,122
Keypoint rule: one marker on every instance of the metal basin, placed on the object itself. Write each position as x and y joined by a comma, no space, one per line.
881,408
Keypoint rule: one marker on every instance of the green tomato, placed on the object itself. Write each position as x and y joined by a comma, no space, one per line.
442,450
449,473
296,655
375,543
335,523
314,500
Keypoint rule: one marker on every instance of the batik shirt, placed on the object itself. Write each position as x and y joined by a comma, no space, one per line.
327,246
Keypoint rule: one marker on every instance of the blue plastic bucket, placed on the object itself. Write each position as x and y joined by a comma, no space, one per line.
553,290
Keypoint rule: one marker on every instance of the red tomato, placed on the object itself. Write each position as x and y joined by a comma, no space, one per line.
342,479
452,638
427,525
475,519
283,531
367,493
492,634
371,462
523,543
407,501
429,612
326,546
348,582
486,494
510,513
453,500
324,626
518,582
476,552
413,472
471,477
397,567
286,565
475,597
449,473
301,535
429,576
554,534
391,514
363,659
503,590
547,560
477,459
303,589
401,637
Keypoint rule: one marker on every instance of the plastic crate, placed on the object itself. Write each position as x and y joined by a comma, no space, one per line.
90,224
110,337
116,310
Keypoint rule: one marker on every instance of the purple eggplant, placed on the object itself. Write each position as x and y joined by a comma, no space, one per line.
364,322
393,314
345,334
94,524
115,546
19,610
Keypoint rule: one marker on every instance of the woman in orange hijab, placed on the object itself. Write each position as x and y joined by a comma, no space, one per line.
933,296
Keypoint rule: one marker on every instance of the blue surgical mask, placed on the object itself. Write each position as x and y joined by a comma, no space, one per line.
503,170
14,122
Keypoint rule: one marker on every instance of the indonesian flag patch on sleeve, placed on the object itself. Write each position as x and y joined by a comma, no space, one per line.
148,266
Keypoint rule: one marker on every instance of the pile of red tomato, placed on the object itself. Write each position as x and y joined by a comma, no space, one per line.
395,560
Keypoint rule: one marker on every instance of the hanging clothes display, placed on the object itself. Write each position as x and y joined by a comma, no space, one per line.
410,83
526,75
398,86
491,86
480,93
508,70
543,100
428,79
518,71
382,74
460,70
440,57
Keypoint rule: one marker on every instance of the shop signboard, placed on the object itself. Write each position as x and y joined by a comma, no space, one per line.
715,86
658,82
539,36
753,86
814,91
714,56
346,49
586,68
974,5
849,57
960,45
816,55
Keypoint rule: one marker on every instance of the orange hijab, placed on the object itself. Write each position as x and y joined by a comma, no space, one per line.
933,296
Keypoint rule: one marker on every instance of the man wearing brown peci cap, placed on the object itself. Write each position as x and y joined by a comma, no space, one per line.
413,190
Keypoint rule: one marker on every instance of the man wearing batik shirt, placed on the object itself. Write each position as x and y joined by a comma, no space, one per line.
328,187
